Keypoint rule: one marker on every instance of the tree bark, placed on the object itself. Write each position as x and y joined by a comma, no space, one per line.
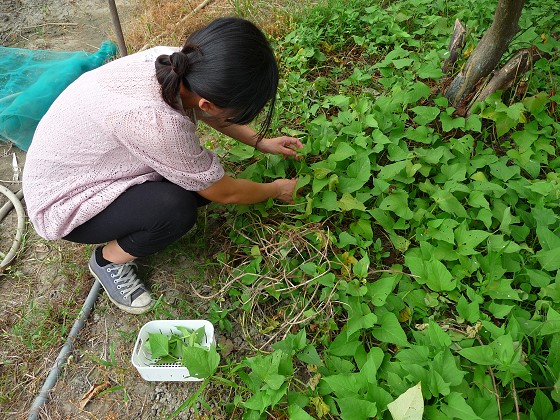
488,52
456,43
511,71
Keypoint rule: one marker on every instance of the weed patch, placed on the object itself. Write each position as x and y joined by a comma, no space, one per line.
424,246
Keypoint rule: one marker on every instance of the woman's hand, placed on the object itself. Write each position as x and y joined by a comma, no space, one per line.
284,145
286,189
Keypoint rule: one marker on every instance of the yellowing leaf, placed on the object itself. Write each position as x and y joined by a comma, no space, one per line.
408,406
314,381
255,251
321,408
348,203
404,315
479,176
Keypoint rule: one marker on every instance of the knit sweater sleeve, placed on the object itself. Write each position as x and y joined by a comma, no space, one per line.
165,140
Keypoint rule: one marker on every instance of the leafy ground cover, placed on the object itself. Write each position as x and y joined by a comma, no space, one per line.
425,247
417,272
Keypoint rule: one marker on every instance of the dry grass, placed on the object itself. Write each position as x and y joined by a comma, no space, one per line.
169,22
38,307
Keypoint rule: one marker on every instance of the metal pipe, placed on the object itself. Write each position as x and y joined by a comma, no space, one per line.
42,398
118,28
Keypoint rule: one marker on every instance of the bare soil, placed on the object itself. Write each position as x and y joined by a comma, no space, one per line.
45,287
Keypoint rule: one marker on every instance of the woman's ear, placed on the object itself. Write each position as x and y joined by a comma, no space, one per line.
208,107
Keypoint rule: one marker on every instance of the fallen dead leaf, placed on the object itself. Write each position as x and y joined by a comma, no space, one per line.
95,390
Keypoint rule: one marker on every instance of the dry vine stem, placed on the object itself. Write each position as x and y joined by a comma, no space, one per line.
275,245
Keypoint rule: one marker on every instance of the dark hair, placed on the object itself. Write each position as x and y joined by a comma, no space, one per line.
228,62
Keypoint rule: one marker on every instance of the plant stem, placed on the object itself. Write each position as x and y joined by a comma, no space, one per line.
515,400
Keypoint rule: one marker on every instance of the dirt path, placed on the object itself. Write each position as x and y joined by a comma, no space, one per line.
44,290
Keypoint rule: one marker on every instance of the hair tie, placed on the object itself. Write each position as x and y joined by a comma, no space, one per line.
175,61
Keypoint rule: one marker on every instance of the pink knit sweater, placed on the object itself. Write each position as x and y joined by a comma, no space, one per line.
107,131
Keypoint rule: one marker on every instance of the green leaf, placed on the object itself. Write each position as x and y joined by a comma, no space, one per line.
275,381
436,337
447,202
295,412
482,355
457,408
328,201
467,240
242,151
517,112
548,239
158,344
409,405
502,171
343,151
380,289
552,323
397,202
500,311
448,123
388,172
310,356
446,365
352,408
399,242
437,277
536,103
370,121
402,62
474,123
549,260
345,384
542,407
200,362
421,134
342,346
477,199
390,330
436,384
425,114
468,311
361,322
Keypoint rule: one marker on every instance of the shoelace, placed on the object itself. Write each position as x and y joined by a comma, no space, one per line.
126,278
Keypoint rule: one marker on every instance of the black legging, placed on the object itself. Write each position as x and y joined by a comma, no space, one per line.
144,219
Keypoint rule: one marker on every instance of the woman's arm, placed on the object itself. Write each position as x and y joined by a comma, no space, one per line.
230,190
278,145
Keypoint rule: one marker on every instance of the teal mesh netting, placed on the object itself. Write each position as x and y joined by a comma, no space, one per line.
30,81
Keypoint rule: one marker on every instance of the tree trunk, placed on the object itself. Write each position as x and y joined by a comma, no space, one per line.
488,52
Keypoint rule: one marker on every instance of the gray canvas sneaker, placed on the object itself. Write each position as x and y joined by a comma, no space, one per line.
122,285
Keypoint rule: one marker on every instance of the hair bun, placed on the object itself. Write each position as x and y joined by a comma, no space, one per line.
179,63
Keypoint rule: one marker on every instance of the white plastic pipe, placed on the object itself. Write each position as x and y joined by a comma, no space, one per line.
16,203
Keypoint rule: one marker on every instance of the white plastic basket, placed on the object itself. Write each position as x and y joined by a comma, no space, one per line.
169,371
